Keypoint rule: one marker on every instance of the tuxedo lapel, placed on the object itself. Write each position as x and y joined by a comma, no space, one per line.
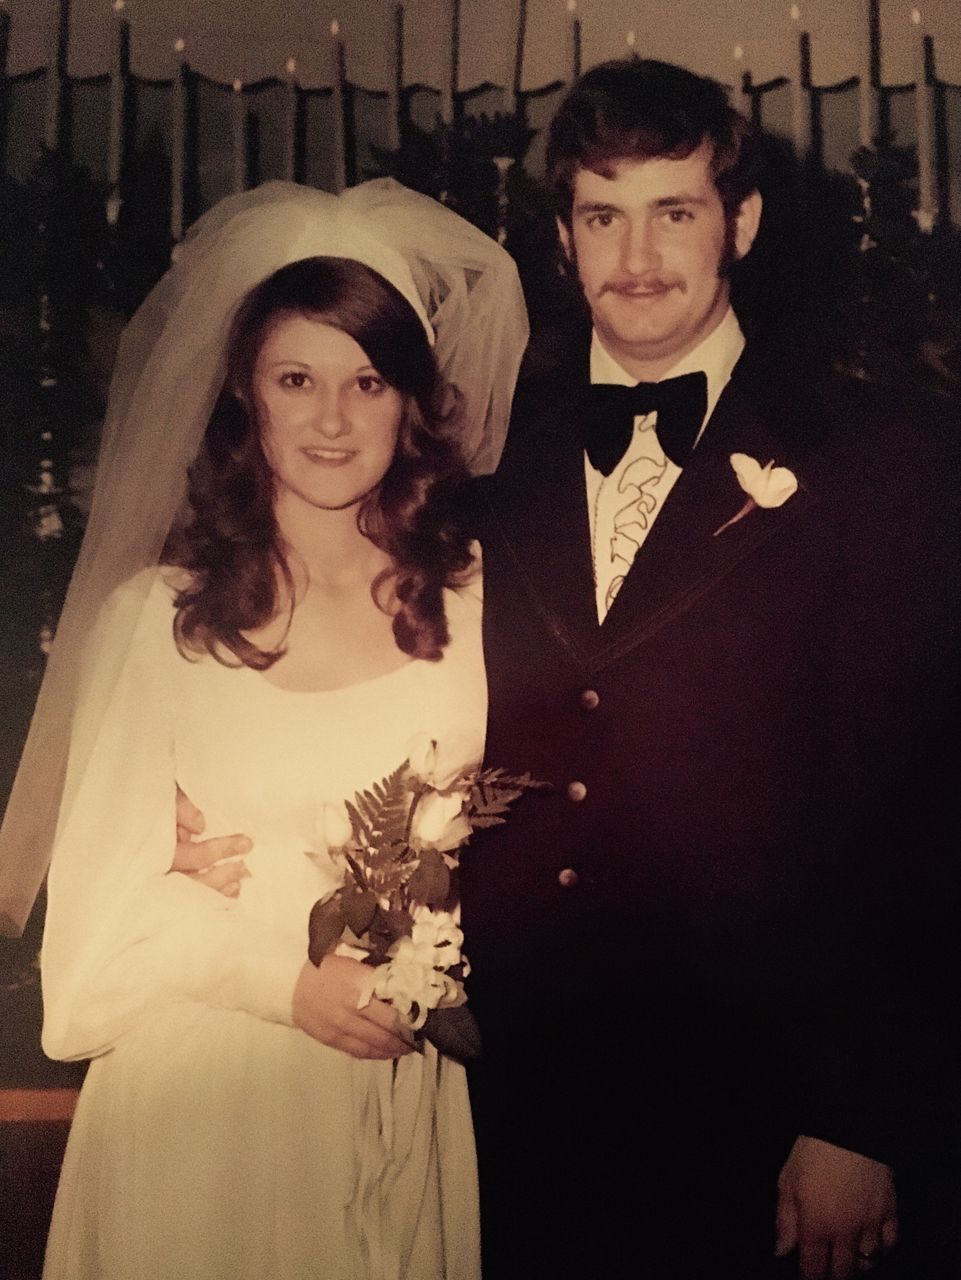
683,556
541,510
540,505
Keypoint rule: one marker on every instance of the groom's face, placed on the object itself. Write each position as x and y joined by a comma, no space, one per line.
650,243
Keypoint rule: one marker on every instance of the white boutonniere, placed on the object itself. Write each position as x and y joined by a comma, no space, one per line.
767,486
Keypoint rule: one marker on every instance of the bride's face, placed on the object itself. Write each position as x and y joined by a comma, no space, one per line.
329,421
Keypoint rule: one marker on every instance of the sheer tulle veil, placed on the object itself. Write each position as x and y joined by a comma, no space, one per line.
169,370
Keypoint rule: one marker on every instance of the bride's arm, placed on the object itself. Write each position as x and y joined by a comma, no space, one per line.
122,935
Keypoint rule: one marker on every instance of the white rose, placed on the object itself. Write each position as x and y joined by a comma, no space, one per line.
439,820
333,826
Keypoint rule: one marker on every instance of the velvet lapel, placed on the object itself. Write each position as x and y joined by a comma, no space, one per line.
542,513
682,558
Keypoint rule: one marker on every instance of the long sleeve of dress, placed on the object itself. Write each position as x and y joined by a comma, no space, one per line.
122,934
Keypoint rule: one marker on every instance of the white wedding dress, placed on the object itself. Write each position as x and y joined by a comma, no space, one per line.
213,1140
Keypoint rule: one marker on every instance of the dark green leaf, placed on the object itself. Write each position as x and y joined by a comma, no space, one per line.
430,883
359,910
325,928
454,1032
386,927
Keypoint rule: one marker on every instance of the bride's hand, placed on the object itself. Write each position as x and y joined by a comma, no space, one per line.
325,1006
207,860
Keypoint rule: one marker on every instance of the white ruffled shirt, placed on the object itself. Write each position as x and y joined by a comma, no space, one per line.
624,505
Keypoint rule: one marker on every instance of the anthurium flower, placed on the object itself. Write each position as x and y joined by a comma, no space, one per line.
769,486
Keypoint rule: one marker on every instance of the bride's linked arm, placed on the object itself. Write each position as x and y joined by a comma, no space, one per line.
326,999
122,935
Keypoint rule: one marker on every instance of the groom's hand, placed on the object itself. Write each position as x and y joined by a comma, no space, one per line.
216,863
837,1208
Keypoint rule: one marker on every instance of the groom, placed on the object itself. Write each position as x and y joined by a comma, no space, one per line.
713,621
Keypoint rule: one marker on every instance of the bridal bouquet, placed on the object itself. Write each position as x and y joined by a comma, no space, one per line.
398,845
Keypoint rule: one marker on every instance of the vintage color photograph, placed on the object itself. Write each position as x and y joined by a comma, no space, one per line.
480,606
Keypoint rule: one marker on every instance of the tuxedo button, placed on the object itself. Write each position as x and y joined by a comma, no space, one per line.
567,878
590,699
576,791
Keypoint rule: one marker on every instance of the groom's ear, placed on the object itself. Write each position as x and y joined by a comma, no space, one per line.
746,223
564,235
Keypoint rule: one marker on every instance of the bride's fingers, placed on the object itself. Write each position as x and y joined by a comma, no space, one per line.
376,1043
361,1049
381,1013
325,1002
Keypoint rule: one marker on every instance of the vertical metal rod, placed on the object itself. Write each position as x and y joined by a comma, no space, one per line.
178,144
395,86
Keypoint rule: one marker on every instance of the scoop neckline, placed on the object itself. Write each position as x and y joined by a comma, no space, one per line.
344,688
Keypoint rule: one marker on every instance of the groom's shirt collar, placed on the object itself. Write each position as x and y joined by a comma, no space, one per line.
716,356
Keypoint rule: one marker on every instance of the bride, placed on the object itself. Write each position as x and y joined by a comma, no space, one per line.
269,645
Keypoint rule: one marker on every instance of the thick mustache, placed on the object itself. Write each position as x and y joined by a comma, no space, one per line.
653,285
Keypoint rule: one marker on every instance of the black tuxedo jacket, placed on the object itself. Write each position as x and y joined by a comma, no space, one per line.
720,924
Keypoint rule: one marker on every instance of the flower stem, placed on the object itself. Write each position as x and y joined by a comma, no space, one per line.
748,507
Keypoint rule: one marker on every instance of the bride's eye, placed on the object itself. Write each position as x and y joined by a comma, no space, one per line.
294,378
371,384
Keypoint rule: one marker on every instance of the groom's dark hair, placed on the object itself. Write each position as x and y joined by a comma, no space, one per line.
640,109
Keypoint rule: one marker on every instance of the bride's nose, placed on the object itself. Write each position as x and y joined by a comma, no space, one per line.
330,418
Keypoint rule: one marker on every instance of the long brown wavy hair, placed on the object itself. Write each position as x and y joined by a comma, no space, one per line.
231,545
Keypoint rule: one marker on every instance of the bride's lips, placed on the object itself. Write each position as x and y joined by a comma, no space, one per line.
330,457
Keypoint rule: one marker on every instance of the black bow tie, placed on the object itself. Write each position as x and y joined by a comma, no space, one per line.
608,413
